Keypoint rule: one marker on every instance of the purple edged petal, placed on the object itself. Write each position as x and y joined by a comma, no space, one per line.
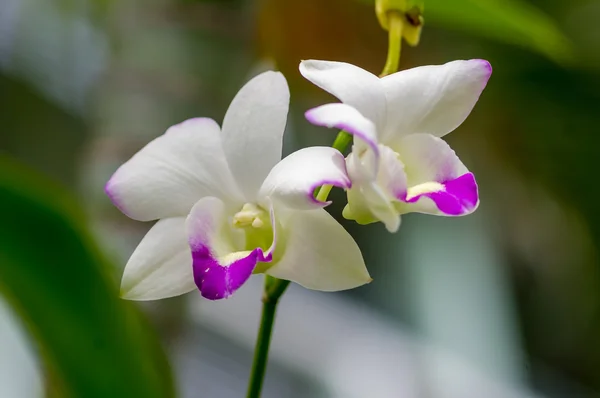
433,99
455,197
167,176
219,269
294,179
350,84
438,182
344,117
348,118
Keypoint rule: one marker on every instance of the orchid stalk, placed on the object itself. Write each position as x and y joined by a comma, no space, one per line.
274,289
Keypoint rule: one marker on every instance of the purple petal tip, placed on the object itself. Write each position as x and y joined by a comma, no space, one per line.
112,196
487,66
216,281
110,191
458,197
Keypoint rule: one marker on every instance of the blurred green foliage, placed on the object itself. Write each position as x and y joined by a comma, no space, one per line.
93,343
511,21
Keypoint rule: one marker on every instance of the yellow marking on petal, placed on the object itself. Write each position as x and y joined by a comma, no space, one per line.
426,187
233,257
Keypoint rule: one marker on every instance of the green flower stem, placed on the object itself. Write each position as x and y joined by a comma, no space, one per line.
274,288
396,24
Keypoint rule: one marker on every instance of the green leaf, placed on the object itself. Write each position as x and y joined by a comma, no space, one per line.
93,343
510,21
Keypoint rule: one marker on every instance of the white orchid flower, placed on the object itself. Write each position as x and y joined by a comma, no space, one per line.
399,163
227,206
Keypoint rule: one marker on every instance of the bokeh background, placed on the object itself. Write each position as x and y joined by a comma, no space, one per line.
504,303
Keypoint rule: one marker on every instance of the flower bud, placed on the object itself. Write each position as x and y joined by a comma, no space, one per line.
411,12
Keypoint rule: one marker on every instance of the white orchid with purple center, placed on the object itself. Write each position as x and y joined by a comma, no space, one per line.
399,163
228,207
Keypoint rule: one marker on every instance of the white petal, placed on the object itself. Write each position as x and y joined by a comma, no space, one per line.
167,176
438,182
432,99
293,180
320,254
350,84
253,130
161,265
368,203
392,176
371,199
427,158
347,118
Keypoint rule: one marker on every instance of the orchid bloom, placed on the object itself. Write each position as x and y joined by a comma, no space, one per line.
399,163
227,206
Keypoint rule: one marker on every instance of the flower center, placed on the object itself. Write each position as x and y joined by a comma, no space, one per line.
254,223
251,215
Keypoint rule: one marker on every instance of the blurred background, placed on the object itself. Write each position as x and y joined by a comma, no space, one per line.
504,303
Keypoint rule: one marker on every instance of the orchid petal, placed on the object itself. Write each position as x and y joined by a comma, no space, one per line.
350,84
167,176
293,180
439,183
161,265
319,254
370,199
367,203
391,176
253,130
432,99
348,118
218,269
